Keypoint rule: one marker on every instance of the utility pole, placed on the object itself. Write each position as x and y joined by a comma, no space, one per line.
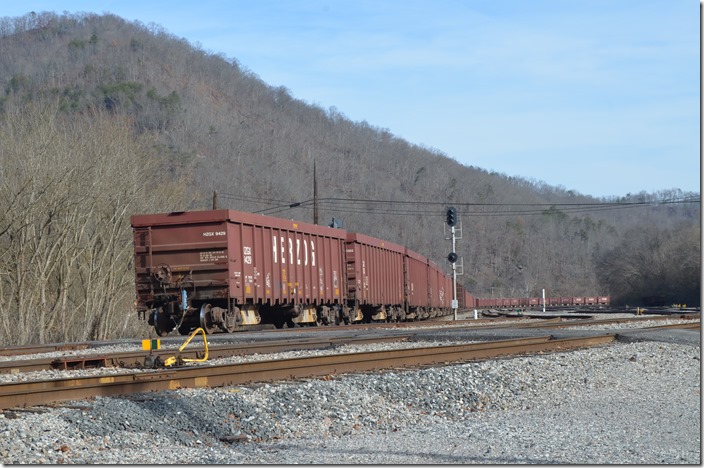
315,196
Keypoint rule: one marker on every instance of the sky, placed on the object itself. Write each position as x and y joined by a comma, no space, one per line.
597,96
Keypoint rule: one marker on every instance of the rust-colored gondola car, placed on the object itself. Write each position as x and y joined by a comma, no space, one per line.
418,285
465,300
221,268
376,279
440,290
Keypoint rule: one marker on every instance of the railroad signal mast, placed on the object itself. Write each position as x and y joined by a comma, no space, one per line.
456,233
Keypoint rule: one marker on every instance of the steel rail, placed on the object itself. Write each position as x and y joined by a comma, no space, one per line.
561,322
502,320
136,358
585,323
48,391
684,326
48,348
534,322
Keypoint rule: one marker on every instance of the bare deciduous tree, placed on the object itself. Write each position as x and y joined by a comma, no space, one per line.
69,187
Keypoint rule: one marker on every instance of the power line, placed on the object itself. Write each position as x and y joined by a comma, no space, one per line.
474,209
252,199
416,208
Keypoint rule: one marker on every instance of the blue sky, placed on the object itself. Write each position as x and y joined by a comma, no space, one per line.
600,97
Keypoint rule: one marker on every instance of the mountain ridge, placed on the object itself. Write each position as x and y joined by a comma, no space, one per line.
224,130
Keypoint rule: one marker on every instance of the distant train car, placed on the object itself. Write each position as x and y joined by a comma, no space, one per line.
465,300
445,295
470,300
537,302
427,287
440,291
375,276
418,283
461,296
486,303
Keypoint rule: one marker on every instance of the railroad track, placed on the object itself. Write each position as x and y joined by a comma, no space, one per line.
31,393
559,323
87,345
136,358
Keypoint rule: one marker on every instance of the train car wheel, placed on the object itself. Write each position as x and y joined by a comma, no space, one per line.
279,323
206,319
160,332
163,324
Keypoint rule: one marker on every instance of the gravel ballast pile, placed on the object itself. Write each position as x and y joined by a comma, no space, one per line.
636,403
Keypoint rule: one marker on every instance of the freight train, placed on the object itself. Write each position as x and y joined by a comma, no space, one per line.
536,302
224,269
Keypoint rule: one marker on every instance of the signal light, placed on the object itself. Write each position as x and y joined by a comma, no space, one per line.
452,257
451,216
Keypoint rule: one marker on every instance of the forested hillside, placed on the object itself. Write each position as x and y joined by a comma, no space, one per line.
101,118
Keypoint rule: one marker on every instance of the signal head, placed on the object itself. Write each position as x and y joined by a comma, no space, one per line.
451,216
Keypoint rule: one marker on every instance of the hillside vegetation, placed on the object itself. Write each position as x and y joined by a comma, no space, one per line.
101,118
